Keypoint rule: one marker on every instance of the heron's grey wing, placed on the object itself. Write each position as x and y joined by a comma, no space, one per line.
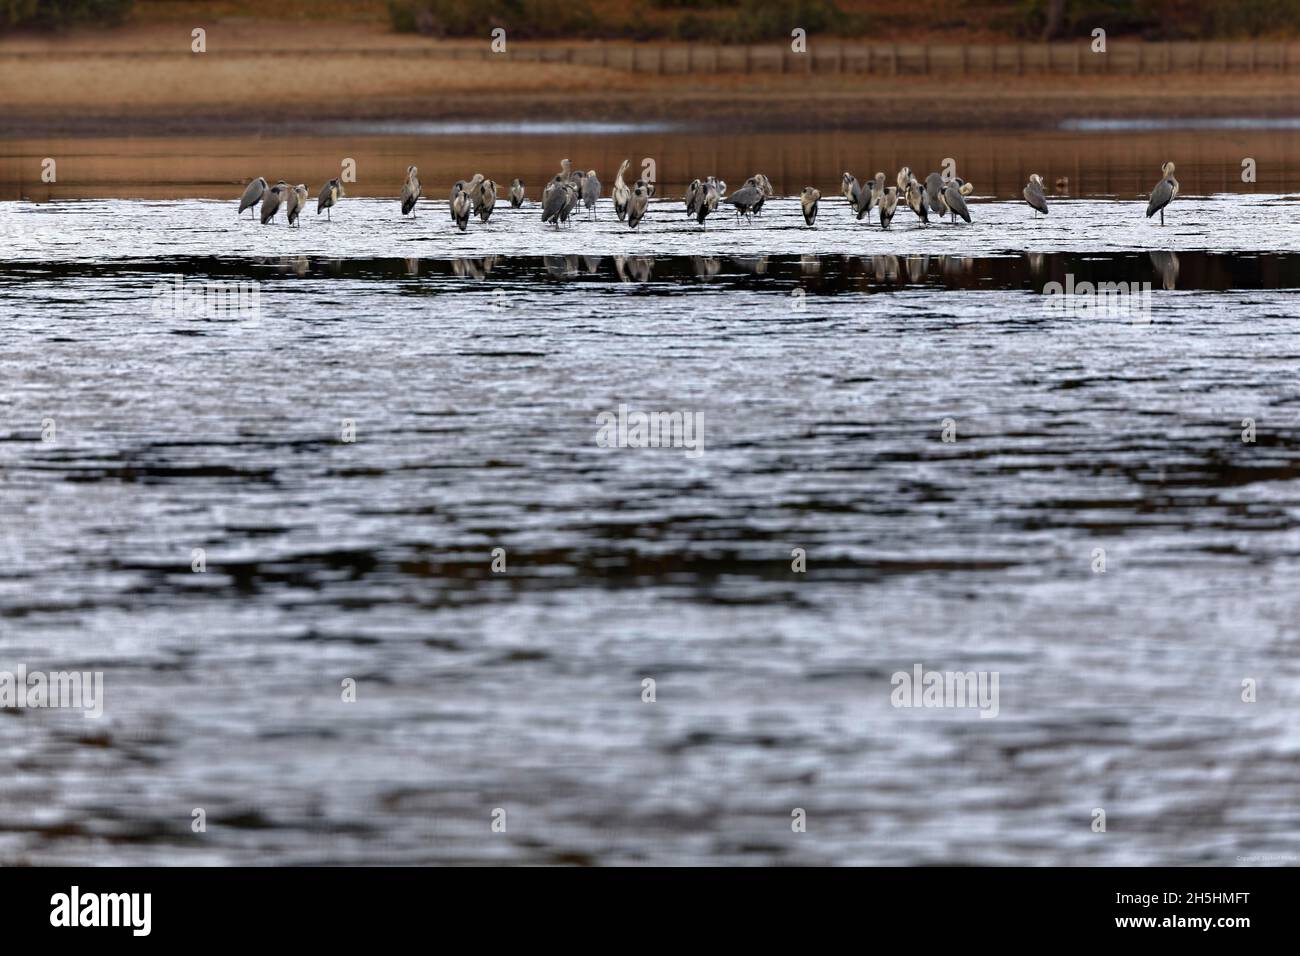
269,205
1160,197
1034,196
955,201
252,193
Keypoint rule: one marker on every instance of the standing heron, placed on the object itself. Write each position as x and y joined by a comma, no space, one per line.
808,203
474,190
904,177
590,191
934,187
952,197
470,189
747,198
558,200
915,196
857,196
272,199
410,191
297,200
330,193
1034,194
693,195
252,194
1166,191
516,193
572,196
707,201
636,207
888,203
765,191
849,188
874,196
460,206
620,193
487,199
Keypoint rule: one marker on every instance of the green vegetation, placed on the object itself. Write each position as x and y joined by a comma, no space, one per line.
60,13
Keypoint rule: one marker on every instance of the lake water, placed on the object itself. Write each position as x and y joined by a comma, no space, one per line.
825,367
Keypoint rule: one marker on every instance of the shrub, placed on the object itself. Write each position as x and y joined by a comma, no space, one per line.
523,19
60,13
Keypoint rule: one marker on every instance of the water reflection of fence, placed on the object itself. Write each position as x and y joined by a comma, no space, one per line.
901,59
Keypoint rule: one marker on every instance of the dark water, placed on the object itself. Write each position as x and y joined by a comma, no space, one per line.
474,370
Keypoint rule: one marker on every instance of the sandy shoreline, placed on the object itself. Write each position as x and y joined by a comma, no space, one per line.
259,77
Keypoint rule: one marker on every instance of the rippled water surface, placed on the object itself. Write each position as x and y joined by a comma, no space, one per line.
825,364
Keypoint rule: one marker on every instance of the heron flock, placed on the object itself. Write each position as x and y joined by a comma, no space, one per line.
939,194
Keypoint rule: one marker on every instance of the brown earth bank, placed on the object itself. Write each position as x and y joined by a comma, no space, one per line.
262,76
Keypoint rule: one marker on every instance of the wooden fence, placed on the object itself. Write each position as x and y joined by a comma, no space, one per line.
900,59
1122,58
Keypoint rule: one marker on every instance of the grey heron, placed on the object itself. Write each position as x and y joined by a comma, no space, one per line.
952,197
873,198
487,199
849,188
474,191
469,189
765,191
297,200
272,199
620,193
808,203
460,206
1166,191
707,201
410,190
637,206
888,202
693,190
904,177
747,198
552,199
330,193
1033,193
252,194
590,191
572,196
934,186
558,201
516,193
915,196
857,195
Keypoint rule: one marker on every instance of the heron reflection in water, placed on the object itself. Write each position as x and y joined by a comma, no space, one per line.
1166,266
634,268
